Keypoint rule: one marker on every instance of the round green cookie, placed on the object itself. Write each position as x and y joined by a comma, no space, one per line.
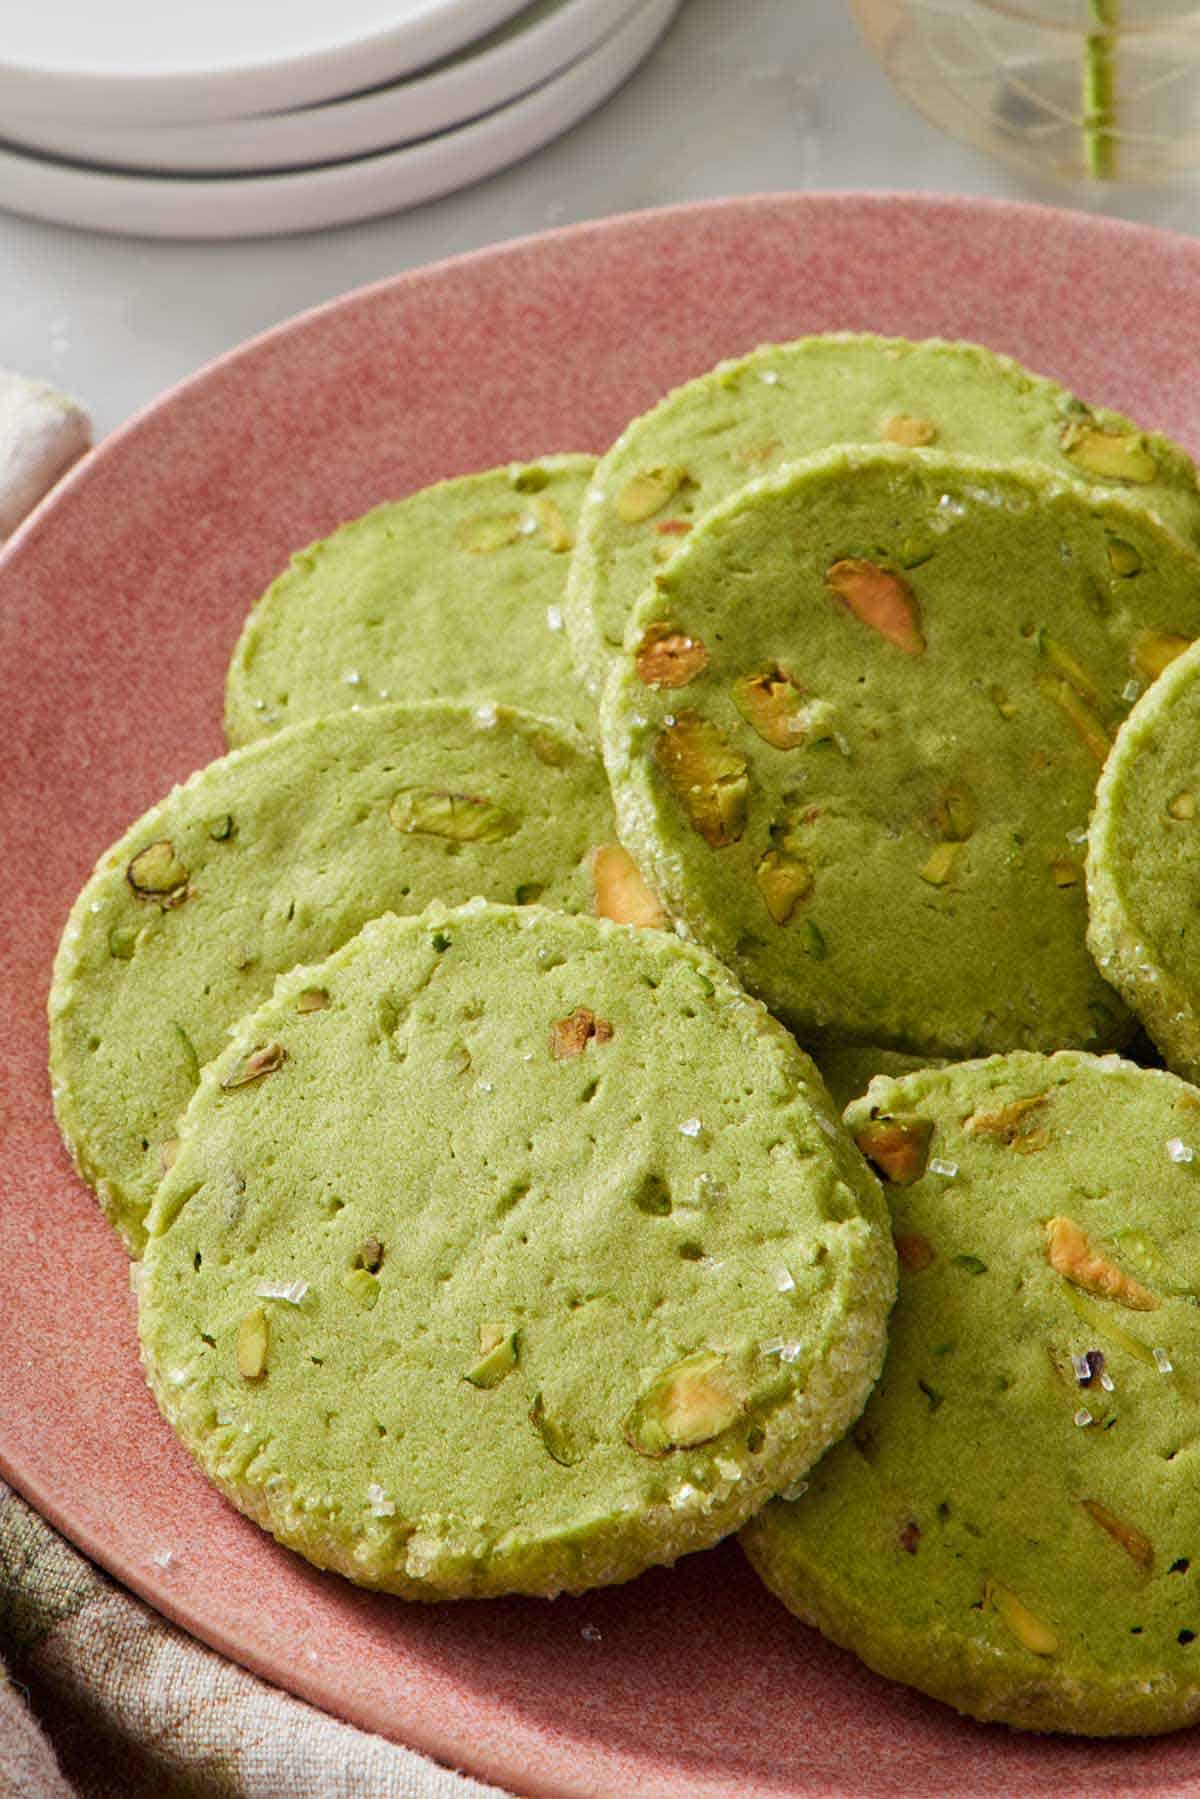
568,1270
1143,901
706,439
275,855
855,735
1014,1523
453,593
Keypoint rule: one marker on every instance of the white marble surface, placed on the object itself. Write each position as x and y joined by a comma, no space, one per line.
742,96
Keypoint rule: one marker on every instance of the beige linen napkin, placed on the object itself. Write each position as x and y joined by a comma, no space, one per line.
100,1698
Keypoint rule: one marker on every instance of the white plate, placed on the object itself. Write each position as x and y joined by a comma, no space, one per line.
169,61
270,205
519,56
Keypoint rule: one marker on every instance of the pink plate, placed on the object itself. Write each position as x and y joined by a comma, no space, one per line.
119,604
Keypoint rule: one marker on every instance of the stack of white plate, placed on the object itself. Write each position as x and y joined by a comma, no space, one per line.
246,118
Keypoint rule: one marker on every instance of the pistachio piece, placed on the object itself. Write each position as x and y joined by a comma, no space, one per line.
1183,806
1155,650
899,1147
122,941
1102,1324
221,829
689,1403
1123,559
1029,1630
369,1255
914,1252
488,532
252,1341
621,893
490,1370
556,534
673,527
1076,1258
362,1286
1066,874
879,599
814,940
1008,1124
570,1036
937,869
1081,715
783,880
1060,658
913,433
1001,701
770,701
1131,1539
708,778
259,1062
648,493
156,873
461,817
559,1446
667,657
313,999
954,814
1110,455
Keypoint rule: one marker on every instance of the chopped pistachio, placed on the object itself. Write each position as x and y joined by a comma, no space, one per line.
1076,1258
708,778
1060,658
221,829
122,941
491,1369
915,1253
1001,701
954,814
558,1444
972,1264
369,1255
783,880
621,893
1131,1539
252,1341
1183,805
191,1061
156,873
913,433
259,1062
937,868
1066,874
770,703
1010,1123
899,1147
570,1036
689,1403
879,599
362,1286
814,940
1123,559
1029,1630
1081,715
555,532
1153,651
648,493
461,817
1111,455
482,535
313,999
1104,1325
673,527
667,657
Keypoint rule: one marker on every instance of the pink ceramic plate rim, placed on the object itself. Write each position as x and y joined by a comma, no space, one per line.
119,601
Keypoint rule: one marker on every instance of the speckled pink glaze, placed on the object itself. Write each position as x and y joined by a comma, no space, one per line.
119,604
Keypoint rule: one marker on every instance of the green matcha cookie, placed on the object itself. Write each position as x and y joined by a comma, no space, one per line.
1143,901
705,440
855,735
277,854
1014,1523
453,593
568,1270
